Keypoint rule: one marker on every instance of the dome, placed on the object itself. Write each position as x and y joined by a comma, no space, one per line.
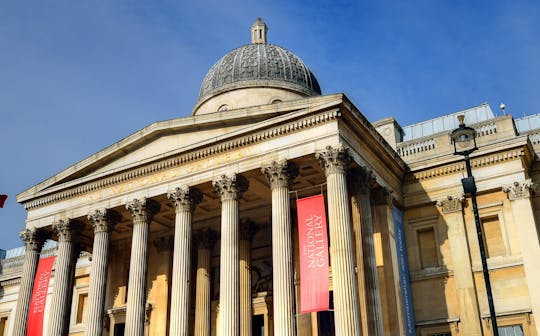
259,65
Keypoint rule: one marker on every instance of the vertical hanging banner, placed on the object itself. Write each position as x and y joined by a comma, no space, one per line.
39,297
404,280
313,246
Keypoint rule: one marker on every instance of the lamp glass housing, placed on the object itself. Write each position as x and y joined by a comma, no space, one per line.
464,139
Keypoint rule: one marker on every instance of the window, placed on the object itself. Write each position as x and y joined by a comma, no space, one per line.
3,325
513,330
427,245
493,238
81,308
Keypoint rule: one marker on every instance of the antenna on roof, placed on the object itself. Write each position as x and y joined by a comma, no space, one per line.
503,108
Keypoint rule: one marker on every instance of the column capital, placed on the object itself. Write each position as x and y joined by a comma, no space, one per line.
143,209
66,229
334,160
185,198
248,228
205,239
451,204
103,220
280,174
361,180
230,187
381,196
517,190
33,239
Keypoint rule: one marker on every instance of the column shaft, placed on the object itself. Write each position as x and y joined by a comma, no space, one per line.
347,312
245,287
371,280
203,307
279,176
184,200
230,189
59,313
142,211
102,220
33,243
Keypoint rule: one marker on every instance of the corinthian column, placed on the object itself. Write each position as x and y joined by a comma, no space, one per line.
205,242
519,195
184,200
247,231
64,269
230,189
469,314
335,162
279,176
142,212
33,241
368,281
103,221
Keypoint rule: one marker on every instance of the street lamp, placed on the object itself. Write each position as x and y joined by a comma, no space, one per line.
464,139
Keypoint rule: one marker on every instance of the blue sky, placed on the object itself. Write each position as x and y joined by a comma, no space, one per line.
77,76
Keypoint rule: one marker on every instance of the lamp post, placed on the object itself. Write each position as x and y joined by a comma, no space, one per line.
464,139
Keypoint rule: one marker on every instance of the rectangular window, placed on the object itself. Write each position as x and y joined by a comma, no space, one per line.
3,325
427,245
493,238
81,308
513,330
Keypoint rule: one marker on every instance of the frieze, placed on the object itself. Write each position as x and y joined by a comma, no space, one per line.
519,190
203,153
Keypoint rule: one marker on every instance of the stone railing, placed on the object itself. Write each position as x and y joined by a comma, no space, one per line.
416,147
486,129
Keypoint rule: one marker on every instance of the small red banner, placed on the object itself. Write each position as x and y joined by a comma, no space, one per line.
39,297
313,240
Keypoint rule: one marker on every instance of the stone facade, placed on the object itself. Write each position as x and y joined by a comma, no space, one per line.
189,226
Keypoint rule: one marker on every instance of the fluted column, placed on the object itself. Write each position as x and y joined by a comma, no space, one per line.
368,280
184,200
142,211
230,188
469,314
66,231
519,194
33,241
335,162
205,241
103,221
279,176
247,231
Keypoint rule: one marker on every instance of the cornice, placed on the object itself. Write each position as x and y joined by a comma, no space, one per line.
459,166
200,153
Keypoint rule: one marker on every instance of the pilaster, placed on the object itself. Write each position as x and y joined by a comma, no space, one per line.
452,209
205,241
247,231
519,194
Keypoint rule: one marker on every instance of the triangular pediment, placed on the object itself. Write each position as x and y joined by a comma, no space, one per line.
172,137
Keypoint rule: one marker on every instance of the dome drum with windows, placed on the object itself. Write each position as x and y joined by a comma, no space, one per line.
255,74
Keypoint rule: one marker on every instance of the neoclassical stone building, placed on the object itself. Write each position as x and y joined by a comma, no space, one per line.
188,226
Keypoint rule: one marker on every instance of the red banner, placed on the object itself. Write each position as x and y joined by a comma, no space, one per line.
314,295
39,297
